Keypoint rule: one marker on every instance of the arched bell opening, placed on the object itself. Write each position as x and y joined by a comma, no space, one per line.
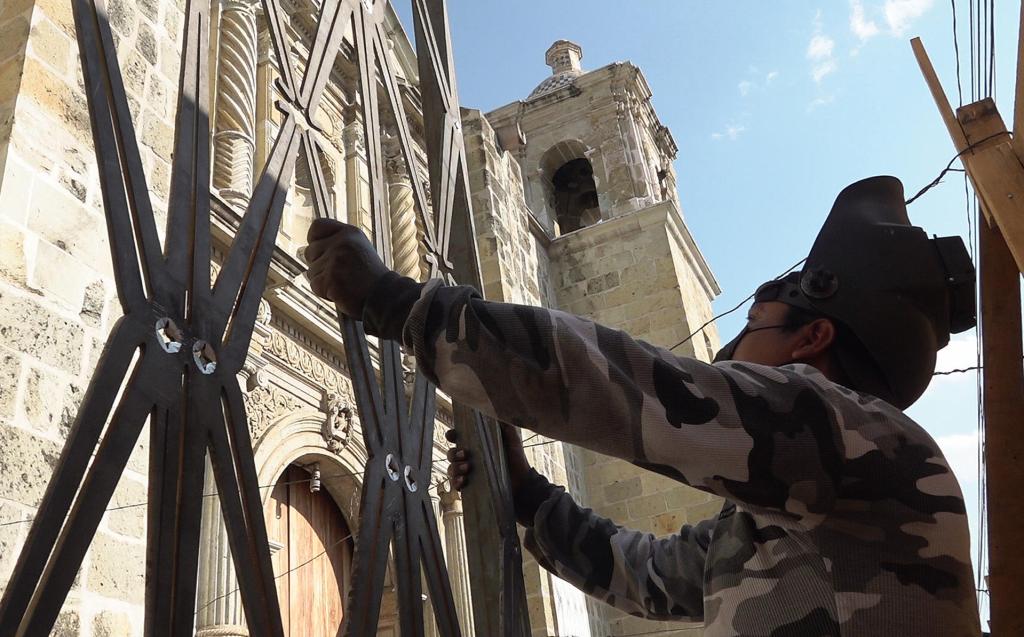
575,196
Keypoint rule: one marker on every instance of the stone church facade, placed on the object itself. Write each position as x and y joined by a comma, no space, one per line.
576,208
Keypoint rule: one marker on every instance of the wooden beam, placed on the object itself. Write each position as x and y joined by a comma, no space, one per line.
939,95
1018,108
996,171
1003,380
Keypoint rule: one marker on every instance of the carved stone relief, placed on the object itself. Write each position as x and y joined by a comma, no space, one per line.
338,422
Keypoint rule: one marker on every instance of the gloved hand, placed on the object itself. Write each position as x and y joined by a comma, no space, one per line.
343,265
461,464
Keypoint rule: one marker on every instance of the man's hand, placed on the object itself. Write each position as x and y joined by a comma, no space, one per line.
461,465
343,266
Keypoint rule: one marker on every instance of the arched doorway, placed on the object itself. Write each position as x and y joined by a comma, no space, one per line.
312,555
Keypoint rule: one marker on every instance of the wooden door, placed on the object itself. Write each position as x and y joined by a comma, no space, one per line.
313,561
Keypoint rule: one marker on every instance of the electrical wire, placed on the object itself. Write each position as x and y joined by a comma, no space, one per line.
277,577
212,494
730,311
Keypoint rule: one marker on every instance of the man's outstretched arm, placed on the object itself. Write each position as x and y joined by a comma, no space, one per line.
760,436
656,578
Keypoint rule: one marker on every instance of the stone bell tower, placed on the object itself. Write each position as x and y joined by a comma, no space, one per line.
574,194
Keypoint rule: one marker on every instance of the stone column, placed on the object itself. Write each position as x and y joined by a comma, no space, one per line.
458,566
429,624
357,179
402,212
234,137
219,604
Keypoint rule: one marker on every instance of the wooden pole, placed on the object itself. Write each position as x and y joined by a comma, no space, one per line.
1003,380
994,165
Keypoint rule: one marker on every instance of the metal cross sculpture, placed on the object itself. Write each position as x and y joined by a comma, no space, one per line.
174,356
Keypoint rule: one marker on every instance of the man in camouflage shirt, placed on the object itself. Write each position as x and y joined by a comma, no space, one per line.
842,517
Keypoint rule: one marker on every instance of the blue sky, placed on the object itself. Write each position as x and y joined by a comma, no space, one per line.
775,106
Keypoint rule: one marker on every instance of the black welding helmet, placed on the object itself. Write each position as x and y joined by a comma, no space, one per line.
895,293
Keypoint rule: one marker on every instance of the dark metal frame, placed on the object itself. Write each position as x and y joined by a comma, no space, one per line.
175,354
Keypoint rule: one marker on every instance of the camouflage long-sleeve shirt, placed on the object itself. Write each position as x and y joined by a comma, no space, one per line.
843,517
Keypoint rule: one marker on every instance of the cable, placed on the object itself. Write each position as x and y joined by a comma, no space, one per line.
949,167
277,577
210,495
738,306
956,53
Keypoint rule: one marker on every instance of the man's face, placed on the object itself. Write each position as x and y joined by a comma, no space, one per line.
766,342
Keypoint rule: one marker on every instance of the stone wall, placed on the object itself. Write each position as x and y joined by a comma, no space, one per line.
516,269
57,299
634,273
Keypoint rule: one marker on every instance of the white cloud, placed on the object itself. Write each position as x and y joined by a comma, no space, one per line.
819,52
822,69
731,132
961,353
961,451
821,100
745,87
820,47
899,14
863,28
768,79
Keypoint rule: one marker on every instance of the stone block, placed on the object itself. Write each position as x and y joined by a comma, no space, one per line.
705,511
80,233
139,460
646,506
15,254
145,43
26,465
117,569
10,371
668,523
93,303
130,520
623,490
682,497
56,97
43,401
112,624
122,17
51,45
12,529
134,72
68,624
59,12
27,327
15,186
602,283
59,276
615,512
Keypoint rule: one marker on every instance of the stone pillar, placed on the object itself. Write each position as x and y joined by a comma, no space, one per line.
429,625
234,137
219,604
458,567
357,179
402,213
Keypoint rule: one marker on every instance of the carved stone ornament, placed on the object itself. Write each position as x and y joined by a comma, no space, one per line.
338,422
264,405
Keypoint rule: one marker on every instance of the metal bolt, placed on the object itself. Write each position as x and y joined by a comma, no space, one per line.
204,357
392,468
168,335
410,480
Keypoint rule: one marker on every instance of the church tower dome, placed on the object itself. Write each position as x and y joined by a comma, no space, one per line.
564,58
